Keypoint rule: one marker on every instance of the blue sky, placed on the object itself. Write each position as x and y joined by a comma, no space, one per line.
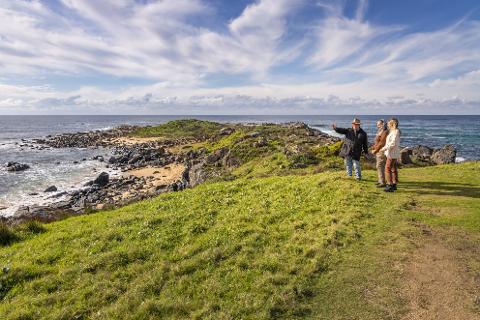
239,57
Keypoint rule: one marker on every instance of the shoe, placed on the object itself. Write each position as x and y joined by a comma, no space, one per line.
394,187
358,179
388,188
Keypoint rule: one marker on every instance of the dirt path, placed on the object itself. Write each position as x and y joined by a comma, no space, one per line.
442,278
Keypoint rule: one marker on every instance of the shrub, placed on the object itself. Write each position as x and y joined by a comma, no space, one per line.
7,235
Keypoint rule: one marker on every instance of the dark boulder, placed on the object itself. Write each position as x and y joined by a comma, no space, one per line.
422,153
444,155
405,154
51,189
226,131
102,179
15,166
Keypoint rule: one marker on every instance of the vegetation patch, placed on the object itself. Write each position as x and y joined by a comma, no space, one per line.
187,128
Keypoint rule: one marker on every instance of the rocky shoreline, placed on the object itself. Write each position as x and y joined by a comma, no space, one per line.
192,167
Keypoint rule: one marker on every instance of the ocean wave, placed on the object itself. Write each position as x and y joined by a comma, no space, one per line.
325,129
460,159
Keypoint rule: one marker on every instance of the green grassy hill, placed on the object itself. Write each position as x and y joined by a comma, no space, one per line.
317,246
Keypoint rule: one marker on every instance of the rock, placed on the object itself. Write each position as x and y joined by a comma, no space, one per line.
226,131
405,156
197,174
102,179
444,155
112,160
51,189
15,166
261,143
231,161
34,212
58,195
253,134
217,155
422,153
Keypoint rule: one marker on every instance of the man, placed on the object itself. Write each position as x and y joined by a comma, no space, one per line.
355,140
380,139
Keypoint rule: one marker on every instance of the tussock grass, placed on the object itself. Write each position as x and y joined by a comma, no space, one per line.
7,235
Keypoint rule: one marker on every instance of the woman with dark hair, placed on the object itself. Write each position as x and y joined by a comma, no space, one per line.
392,153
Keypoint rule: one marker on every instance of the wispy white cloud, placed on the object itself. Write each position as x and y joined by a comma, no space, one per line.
174,45
129,39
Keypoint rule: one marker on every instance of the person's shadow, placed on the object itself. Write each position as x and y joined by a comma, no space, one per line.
443,188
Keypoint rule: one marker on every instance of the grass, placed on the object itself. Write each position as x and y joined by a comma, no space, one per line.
186,128
317,246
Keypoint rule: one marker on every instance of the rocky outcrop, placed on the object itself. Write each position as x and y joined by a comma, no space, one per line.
197,174
446,154
16,167
443,155
86,139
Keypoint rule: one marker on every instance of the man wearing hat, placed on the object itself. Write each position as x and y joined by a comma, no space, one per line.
355,140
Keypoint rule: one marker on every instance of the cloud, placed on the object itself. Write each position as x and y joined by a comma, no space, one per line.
125,39
263,100
338,60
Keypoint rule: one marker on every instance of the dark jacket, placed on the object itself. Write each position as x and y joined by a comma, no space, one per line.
360,141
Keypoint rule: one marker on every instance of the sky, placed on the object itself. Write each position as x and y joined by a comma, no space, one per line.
240,57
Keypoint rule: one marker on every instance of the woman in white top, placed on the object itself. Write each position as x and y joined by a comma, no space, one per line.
392,152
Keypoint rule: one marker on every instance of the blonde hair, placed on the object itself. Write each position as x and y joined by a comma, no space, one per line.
393,123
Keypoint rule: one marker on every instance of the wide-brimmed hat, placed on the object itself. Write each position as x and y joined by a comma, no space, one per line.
356,121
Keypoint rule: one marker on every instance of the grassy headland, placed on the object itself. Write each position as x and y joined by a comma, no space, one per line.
299,245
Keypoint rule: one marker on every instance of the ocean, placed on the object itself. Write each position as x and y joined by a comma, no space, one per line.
56,167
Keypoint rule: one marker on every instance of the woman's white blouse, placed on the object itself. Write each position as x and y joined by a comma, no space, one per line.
392,145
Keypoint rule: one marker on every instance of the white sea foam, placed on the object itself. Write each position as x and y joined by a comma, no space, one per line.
326,130
66,177
459,159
